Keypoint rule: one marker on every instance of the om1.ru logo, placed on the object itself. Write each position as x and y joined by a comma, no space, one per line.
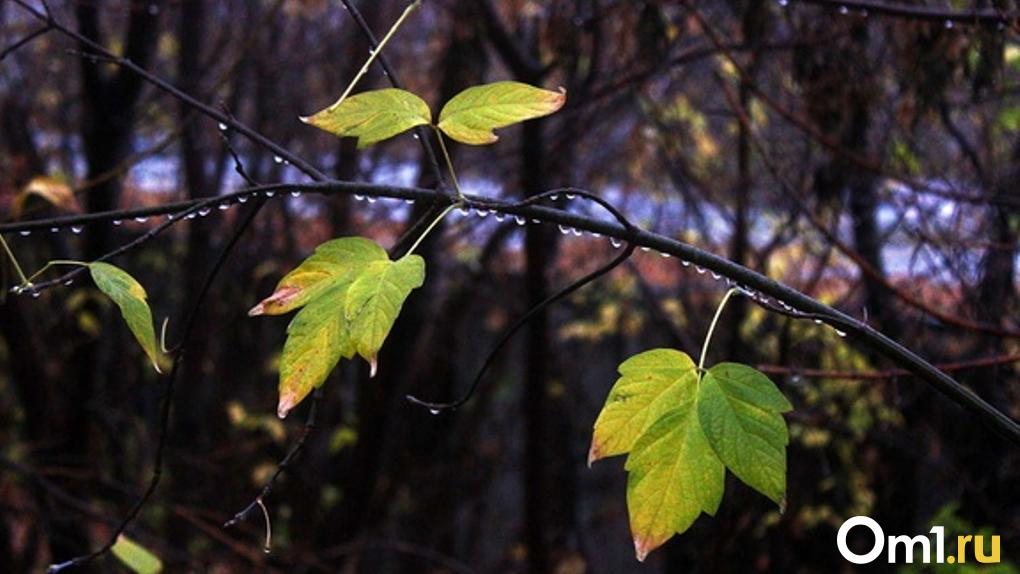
909,545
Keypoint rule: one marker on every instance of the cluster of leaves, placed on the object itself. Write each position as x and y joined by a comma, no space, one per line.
349,294
469,117
682,427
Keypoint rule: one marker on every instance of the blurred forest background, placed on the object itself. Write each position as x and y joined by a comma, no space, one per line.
870,161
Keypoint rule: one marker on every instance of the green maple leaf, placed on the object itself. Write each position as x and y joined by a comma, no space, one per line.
682,428
739,409
349,294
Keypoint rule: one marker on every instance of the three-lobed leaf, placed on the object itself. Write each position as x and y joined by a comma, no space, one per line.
373,116
471,116
682,428
349,294
130,298
136,557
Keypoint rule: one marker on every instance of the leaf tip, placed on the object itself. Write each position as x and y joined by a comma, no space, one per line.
257,310
287,402
642,546
373,367
279,302
594,453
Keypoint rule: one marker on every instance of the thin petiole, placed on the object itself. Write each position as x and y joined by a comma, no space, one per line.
374,53
431,226
54,263
14,260
449,163
711,329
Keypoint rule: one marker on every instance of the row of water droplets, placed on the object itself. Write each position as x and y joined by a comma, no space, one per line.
863,13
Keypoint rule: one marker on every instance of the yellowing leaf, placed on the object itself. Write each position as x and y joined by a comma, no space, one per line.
682,428
51,190
472,114
130,297
650,383
375,299
740,411
674,477
135,557
349,293
373,116
333,262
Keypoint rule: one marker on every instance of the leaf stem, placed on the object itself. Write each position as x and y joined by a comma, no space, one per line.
711,329
14,260
449,163
54,263
374,53
431,226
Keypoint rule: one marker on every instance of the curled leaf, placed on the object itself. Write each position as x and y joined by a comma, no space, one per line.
130,298
48,189
471,116
373,116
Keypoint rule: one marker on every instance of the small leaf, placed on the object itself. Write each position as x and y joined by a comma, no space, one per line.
674,476
739,409
375,299
650,384
349,293
135,557
130,297
373,116
472,114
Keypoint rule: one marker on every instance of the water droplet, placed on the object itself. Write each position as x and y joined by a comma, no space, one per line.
417,137
295,194
664,254
554,197
277,159
716,276
520,220
536,221
267,550
784,3
204,211
685,263
69,282
699,269
222,126
409,201
36,294
949,24
818,321
577,232
190,216
564,229
153,9
434,411
844,10
141,219
840,333
270,193
76,229
645,249
54,230
482,213
571,196
117,222
359,197
500,216
372,199
615,242
242,199
25,233
465,211
596,235
223,206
